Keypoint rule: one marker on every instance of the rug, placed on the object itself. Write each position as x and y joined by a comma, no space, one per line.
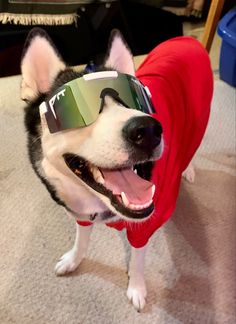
190,268
34,12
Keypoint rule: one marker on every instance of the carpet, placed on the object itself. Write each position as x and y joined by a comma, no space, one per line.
190,268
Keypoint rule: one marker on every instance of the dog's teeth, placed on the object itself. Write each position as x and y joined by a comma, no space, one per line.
139,207
153,190
149,203
76,171
100,179
134,169
97,174
134,206
125,199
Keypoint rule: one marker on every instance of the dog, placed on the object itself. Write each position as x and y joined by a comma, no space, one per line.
77,165
92,146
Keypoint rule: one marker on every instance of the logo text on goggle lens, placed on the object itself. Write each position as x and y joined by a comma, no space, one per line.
52,100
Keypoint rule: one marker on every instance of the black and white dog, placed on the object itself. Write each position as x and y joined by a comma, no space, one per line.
77,164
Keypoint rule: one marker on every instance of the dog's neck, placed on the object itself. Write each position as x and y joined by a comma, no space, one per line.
106,216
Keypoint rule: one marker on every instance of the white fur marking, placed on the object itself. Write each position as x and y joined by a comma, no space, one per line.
72,259
137,291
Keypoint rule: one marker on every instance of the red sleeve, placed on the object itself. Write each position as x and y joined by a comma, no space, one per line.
83,223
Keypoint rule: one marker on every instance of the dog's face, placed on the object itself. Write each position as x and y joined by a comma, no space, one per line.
101,156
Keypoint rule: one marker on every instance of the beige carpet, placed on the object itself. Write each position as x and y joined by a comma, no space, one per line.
190,267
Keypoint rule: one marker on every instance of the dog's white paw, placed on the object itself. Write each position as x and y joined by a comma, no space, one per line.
69,262
189,174
137,293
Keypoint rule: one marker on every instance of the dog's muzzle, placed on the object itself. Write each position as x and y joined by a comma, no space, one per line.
129,192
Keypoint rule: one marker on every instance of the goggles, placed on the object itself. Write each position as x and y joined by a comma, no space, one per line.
78,103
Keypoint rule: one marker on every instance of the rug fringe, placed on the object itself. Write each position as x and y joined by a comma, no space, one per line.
38,19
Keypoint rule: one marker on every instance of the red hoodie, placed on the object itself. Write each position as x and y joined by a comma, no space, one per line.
179,76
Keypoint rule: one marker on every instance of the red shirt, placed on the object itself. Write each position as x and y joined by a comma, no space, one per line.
179,76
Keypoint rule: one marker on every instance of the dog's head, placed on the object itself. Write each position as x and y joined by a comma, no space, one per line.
99,142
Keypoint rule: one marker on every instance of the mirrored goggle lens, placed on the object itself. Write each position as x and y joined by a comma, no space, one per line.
78,102
63,112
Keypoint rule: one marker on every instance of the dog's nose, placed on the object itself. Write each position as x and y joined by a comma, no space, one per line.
144,132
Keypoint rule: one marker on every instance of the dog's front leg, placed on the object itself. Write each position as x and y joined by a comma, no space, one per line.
71,260
137,291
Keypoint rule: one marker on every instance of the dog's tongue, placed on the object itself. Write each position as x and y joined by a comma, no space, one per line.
136,189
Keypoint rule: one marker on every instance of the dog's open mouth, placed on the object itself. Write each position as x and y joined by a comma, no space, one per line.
128,193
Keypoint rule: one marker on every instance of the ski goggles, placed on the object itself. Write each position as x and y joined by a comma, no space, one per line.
78,103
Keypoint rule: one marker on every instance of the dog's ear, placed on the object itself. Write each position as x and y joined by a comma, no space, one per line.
119,56
40,64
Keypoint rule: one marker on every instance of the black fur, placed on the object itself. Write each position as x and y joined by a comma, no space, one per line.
33,127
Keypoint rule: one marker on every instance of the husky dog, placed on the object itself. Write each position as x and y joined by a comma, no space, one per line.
87,156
